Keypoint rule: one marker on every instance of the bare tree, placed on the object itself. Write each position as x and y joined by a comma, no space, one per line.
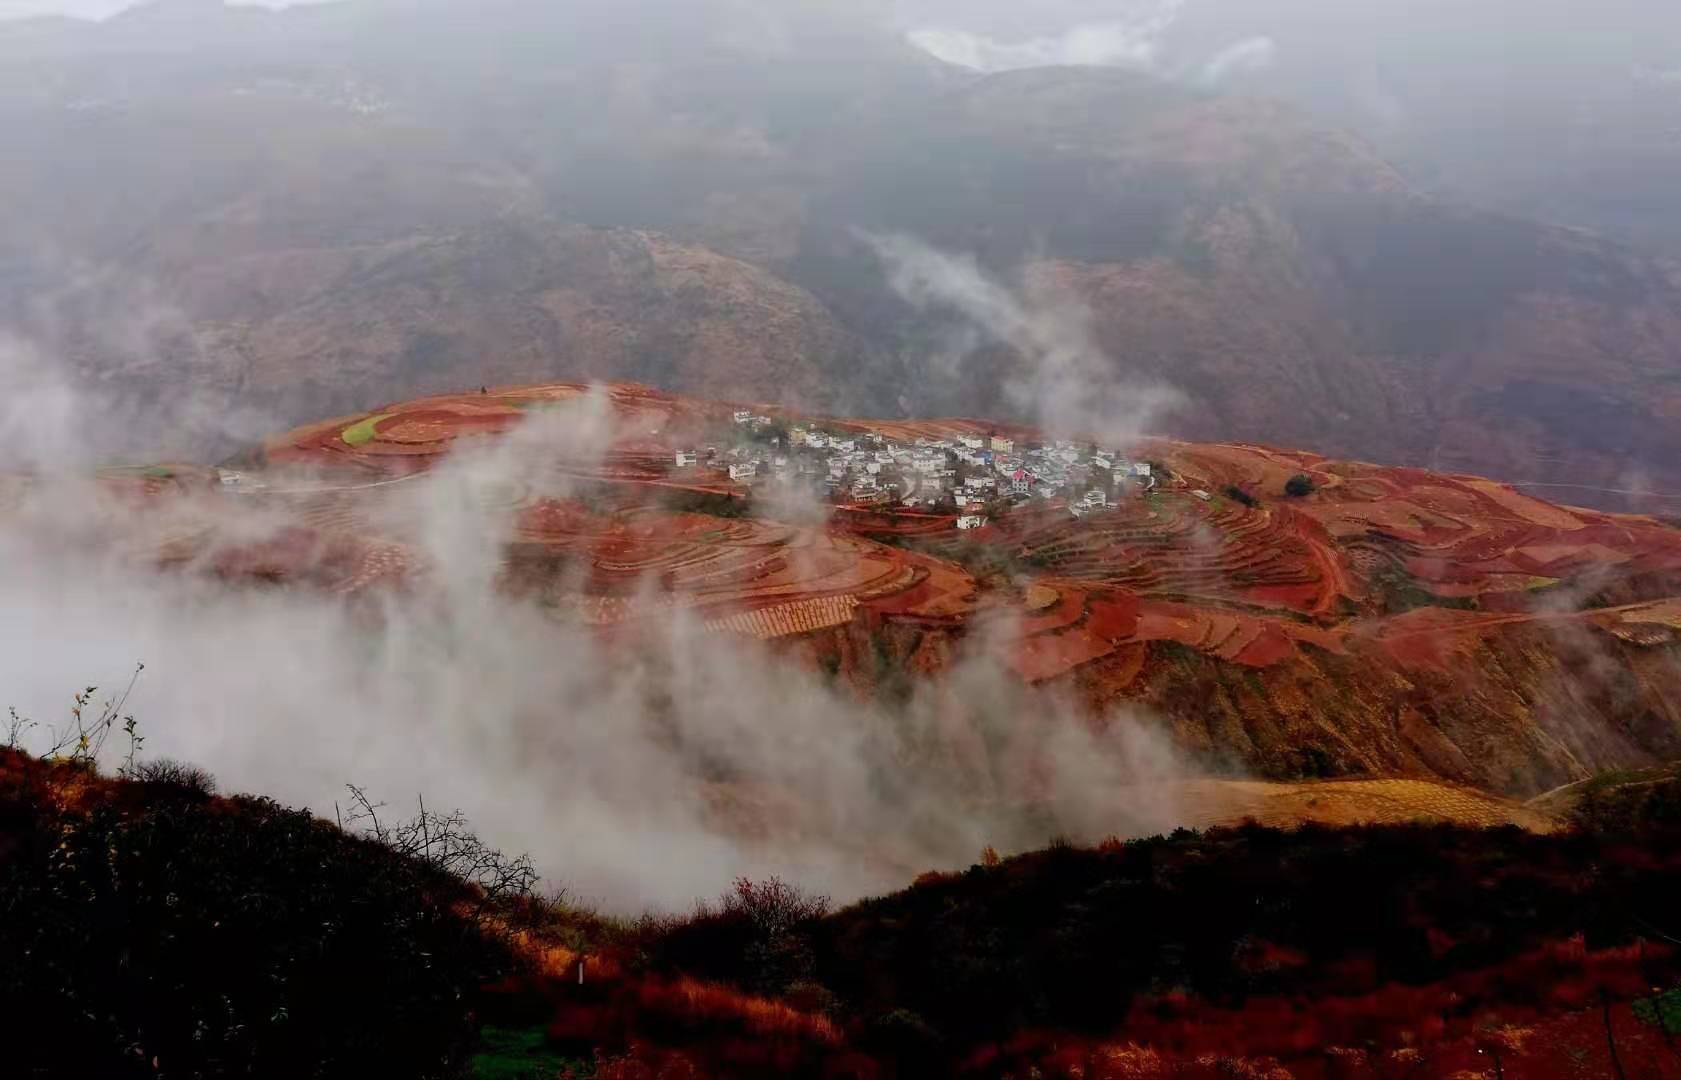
18,727
445,843
83,739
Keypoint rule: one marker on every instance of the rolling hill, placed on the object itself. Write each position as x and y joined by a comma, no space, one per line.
1388,622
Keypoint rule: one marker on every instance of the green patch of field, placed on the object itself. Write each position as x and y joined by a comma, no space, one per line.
713,504
150,472
1662,1011
1613,778
1176,653
362,433
538,404
1398,591
1623,800
523,1054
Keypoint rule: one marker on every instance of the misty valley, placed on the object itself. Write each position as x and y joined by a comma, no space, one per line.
1106,540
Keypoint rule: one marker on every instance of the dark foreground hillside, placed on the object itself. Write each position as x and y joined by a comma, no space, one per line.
154,929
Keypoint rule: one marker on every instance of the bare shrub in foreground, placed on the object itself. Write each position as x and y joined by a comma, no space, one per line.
167,772
445,843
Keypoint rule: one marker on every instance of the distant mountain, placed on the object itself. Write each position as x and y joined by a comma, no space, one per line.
1549,108
1297,285
519,300
1299,288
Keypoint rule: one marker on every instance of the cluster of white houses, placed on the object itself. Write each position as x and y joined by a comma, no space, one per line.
973,474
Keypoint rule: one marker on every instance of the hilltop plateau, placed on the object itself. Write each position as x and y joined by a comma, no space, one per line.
1270,613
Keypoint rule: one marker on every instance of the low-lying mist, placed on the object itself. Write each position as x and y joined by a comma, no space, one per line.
645,767
1063,381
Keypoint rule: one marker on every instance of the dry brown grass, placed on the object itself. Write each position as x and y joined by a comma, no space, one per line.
1205,803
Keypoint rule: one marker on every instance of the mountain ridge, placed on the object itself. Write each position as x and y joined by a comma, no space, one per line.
1299,284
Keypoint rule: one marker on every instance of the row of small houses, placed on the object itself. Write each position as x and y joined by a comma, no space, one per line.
928,470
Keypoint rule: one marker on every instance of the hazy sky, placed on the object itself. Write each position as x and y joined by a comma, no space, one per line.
1006,20
982,34
99,9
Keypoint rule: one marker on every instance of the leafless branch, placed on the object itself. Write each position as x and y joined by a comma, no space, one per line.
447,844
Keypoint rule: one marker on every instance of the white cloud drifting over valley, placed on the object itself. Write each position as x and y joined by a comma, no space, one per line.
1063,381
1115,44
645,769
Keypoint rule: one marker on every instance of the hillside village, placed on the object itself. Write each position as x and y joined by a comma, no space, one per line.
977,476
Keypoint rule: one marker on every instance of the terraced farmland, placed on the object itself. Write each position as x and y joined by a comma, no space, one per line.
1174,545
1379,622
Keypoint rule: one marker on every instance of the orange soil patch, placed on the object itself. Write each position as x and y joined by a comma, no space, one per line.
748,576
1048,656
1524,506
1437,638
939,593
1112,616
1170,622
1270,646
442,425
1252,640
1068,608
1430,637
1039,597
1085,626
1660,612
793,617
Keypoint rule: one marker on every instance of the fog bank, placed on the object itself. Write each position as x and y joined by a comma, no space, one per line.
648,767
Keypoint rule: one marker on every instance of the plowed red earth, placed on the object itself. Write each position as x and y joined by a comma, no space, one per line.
1252,584
1419,586
740,575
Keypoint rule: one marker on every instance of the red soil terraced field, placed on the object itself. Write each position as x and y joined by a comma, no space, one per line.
627,433
759,578
1364,541
173,517
1089,623
1387,621
1452,537
623,557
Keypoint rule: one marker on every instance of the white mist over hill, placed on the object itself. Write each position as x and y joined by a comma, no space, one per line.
648,767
